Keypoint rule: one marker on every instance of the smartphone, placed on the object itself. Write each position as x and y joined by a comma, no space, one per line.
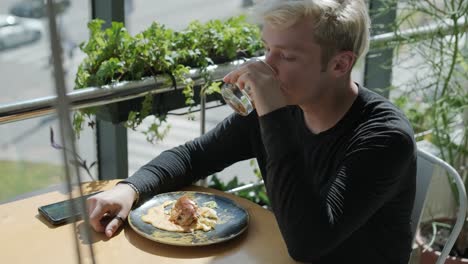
61,212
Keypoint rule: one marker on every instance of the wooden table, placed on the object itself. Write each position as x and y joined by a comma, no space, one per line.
25,237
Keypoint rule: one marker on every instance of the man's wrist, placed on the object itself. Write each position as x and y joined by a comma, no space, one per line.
136,199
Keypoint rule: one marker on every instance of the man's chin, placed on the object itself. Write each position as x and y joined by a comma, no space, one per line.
285,91
288,95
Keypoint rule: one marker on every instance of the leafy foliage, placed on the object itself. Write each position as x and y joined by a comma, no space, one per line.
417,112
113,55
436,96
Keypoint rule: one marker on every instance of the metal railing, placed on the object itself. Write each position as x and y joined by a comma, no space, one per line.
72,173
246,187
97,96
416,34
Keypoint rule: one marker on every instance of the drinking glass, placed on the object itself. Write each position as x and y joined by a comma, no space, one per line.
239,100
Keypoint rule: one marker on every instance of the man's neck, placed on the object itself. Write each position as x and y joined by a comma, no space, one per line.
331,108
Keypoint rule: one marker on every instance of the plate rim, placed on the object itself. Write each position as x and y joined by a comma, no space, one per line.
152,238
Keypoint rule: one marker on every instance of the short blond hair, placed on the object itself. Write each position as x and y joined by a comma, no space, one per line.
339,25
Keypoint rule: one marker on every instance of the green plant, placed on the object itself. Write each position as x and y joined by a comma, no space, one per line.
113,56
442,85
435,98
76,159
417,112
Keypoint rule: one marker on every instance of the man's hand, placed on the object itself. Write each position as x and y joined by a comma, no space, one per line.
108,210
259,80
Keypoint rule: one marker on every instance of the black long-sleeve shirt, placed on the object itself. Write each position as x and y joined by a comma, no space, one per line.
342,195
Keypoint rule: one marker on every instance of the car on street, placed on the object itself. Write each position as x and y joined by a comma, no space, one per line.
37,8
15,31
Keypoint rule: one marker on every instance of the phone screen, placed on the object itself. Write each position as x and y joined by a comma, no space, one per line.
61,212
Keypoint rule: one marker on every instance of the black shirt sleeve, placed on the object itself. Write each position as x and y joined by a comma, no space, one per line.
222,146
315,223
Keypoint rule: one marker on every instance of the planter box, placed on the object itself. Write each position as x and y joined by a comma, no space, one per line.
162,103
165,98
427,254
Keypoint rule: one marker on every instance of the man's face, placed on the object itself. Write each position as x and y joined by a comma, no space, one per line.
295,56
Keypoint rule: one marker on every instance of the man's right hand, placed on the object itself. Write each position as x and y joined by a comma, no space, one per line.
108,210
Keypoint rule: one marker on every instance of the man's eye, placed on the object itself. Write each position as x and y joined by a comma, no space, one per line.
288,58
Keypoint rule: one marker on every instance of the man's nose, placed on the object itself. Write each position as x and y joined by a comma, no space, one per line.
271,61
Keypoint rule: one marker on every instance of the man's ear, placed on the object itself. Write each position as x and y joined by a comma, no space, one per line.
342,63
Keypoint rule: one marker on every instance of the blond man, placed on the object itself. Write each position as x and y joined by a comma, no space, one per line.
338,160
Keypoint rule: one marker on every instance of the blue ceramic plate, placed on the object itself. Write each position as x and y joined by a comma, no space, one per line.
232,220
